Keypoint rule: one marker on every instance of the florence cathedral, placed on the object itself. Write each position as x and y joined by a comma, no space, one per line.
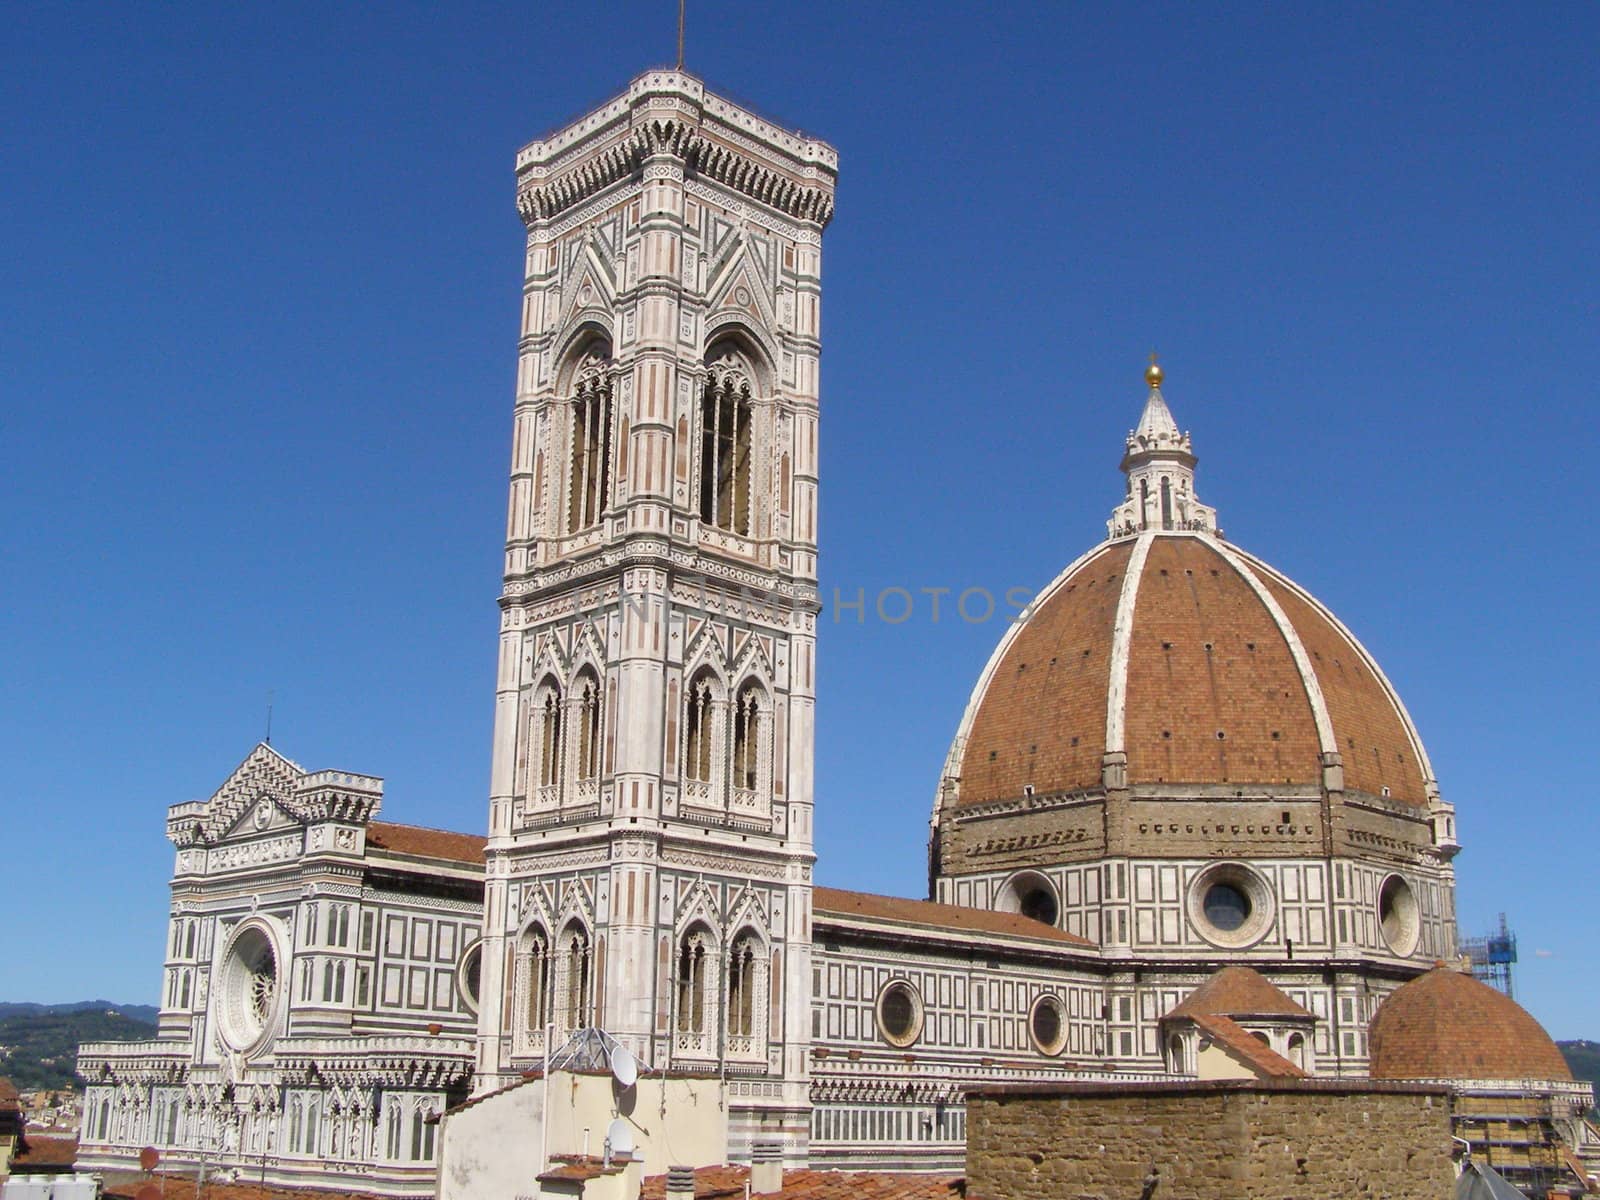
1186,828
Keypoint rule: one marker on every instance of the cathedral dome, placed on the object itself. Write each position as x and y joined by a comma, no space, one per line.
1448,1025
1171,651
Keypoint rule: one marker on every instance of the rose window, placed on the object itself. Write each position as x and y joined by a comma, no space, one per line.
249,992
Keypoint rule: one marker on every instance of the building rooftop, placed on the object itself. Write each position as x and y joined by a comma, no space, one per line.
1244,1045
1239,991
944,917
418,842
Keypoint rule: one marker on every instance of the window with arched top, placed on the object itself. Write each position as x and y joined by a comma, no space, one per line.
588,729
392,1129
699,738
1175,1056
589,464
692,985
750,720
747,997
535,981
695,994
727,412
575,964
548,715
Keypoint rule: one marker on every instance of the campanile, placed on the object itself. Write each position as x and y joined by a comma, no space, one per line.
650,852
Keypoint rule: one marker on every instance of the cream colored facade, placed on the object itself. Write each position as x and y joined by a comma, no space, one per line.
651,799
318,1004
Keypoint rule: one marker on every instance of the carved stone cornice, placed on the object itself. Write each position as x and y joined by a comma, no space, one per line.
702,136
391,1061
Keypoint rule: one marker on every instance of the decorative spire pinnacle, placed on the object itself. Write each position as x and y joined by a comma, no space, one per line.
1159,463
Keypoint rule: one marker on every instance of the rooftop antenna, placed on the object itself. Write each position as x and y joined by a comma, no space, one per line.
269,716
680,34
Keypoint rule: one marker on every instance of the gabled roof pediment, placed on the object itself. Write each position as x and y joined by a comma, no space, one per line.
268,791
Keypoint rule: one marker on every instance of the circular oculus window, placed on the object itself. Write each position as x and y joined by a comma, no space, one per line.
1030,894
250,991
1230,905
469,975
1398,917
1047,1026
899,1011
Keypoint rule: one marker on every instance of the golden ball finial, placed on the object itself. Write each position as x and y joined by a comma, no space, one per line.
1152,373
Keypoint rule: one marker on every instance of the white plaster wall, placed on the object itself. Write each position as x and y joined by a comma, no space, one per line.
492,1147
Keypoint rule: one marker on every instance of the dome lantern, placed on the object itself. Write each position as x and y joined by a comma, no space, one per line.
1159,463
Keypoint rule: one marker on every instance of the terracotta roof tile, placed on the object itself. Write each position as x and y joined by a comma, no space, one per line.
1244,1044
1239,992
817,1185
9,1096
1206,657
417,842
1042,719
1373,738
577,1169
49,1152
938,916
1447,1025
179,1185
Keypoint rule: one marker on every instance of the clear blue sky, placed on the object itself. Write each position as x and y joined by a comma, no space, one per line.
259,268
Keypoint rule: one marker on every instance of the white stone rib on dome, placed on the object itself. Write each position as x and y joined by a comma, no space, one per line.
952,760
1121,639
1428,779
1326,741
1250,569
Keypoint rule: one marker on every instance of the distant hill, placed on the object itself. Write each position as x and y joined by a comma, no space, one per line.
39,1042
139,1012
1584,1059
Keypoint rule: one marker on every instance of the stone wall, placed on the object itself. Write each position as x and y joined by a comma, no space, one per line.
1233,1140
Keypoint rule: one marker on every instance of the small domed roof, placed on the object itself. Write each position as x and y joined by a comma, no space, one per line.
1447,1025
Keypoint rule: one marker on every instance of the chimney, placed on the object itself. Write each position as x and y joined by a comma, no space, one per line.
766,1169
680,1183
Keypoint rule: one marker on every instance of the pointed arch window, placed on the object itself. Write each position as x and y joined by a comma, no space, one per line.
588,729
692,986
699,738
749,727
422,1131
392,1129
575,997
742,988
726,414
589,481
536,982
550,738
696,992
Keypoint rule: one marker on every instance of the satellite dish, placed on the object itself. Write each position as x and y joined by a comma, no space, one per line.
619,1138
624,1067
149,1158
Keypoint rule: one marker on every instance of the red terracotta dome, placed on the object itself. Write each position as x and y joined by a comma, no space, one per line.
1199,662
1447,1025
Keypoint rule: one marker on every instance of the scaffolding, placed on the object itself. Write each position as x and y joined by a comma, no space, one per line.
1492,957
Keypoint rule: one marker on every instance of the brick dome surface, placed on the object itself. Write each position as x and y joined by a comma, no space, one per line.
1201,663
1447,1025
